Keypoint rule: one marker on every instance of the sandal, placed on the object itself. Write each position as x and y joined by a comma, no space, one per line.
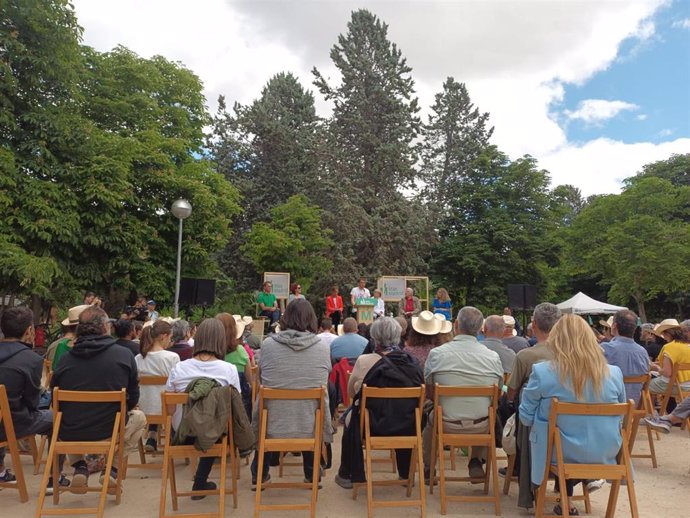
558,511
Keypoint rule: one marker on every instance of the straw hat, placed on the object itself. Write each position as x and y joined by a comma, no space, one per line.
510,322
427,323
73,315
239,325
607,323
665,325
446,325
247,321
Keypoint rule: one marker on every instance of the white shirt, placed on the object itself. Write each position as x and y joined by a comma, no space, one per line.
359,293
327,337
184,372
380,307
156,363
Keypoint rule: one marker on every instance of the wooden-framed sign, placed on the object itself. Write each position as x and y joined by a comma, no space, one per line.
392,288
280,282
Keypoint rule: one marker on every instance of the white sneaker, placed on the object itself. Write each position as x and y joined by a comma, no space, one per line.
595,485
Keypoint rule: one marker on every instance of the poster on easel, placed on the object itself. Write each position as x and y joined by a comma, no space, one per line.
392,288
280,282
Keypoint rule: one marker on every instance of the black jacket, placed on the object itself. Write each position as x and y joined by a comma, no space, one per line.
389,417
130,345
20,372
95,363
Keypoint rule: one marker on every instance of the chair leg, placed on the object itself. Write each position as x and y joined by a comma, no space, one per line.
173,485
370,484
223,475
235,470
164,482
44,481
411,471
494,473
315,474
509,474
394,466
540,499
588,502
55,473
652,450
39,455
442,474
432,459
259,478
420,464
452,458
106,480
17,463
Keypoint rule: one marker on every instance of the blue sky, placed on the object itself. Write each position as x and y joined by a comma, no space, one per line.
652,75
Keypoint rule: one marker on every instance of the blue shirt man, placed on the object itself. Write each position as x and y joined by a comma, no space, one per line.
350,345
623,352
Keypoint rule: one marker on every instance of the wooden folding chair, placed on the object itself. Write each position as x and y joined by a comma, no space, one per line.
10,443
509,474
104,447
151,419
441,438
616,473
674,388
644,408
312,444
373,443
222,449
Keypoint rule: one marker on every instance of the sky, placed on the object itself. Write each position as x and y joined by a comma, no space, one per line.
593,89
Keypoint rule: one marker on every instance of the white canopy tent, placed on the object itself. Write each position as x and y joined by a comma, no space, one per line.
581,304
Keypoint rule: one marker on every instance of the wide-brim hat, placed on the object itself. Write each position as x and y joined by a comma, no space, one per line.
509,321
73,315
446,325
239,325
247,320
427,323
665,325
607,323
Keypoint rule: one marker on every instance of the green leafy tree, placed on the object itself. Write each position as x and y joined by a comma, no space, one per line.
294,241
495,232
676,170
636,242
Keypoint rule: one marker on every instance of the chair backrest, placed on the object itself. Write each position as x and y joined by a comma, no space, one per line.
267,394
624,410
6,415
643,380
153,380
47,371
677,369
484,391
89,397
369,393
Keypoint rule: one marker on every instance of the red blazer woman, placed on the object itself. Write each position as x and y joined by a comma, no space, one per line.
333,303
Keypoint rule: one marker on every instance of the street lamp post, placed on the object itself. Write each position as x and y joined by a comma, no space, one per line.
181,209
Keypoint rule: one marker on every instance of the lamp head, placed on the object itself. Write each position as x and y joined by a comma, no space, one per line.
181,209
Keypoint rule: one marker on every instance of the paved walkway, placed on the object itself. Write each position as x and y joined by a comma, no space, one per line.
660,492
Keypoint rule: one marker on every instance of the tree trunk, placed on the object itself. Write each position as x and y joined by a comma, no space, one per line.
640,308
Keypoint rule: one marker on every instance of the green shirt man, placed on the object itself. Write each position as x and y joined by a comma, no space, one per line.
268,305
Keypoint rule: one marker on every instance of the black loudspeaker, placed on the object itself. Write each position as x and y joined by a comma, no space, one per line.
197,292
522,297
205,292
187,291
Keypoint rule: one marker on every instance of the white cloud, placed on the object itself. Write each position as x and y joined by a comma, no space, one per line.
682,24
666,132
516,57
598,110
641,117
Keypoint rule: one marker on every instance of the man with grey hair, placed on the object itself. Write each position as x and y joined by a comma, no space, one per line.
180,339
350,345
463,362
409,306
493,332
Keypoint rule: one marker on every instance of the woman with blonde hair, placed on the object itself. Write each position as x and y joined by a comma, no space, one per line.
578,373
442,304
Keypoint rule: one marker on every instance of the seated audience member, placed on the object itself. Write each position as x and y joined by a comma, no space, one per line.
531,339
350,345
463,362
442,304
380,307
405,328
208,361
622,351
409,305
125,332
20,371
494,328
295,292
61,346
97,363
151,310
248,338
507,311
664,423
650,341
236,354
510,335
606,334
334,307
181,332
544,318
676,350
268,305
294,358
138,328
577,374
423,336
154,360
326,331
388,417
